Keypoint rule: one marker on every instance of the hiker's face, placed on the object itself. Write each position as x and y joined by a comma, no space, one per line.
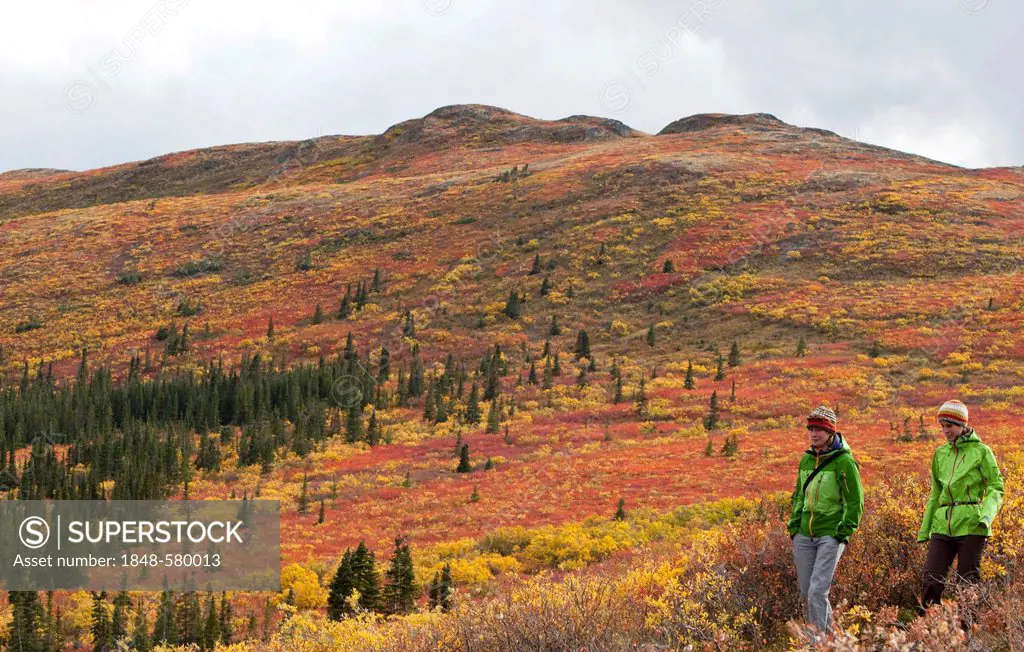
818,436
951,430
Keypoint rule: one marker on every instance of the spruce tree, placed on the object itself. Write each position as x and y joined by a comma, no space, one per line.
650,335
164,629
361,296
140,637
536,265
712,419
400,588
441,408
582,348
189,622
429,403
512,305
473,414
668,267
493,418
303,501
102,633
119,621
734,354
354,424
53,625
318,315
373,429
548,377
364,577
341,588
620,512
688,383
532,377
464,465
320,518
226,628
545,286
801,347
720,372
270,328
211,628
554,329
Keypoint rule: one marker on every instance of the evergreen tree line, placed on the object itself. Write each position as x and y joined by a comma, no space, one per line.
140,432
180,619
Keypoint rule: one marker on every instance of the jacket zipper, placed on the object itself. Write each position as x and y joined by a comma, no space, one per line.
949,489
817,486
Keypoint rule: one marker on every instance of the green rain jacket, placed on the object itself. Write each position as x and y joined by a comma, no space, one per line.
967,489
833,501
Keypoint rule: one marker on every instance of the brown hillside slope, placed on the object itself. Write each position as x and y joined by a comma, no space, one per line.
821,226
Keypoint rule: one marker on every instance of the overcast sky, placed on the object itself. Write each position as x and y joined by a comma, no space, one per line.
88,84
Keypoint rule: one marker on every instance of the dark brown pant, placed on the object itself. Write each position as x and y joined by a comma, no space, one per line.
941,552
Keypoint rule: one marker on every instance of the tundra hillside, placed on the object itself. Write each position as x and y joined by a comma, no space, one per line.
522,384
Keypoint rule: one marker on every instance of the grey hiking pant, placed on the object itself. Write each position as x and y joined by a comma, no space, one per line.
816,559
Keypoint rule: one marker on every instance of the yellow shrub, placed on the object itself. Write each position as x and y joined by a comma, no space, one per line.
619,328
956,358
305,586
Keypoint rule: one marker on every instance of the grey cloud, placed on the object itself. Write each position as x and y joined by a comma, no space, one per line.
911,68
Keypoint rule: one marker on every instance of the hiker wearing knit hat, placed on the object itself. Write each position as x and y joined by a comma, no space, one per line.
967,491
827,504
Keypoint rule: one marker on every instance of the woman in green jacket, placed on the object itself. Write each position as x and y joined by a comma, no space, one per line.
967,491
827,505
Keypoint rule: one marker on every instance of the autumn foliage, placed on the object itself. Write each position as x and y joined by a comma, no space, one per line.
540,313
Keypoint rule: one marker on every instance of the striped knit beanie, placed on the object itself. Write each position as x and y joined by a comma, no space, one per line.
953,412
824,418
